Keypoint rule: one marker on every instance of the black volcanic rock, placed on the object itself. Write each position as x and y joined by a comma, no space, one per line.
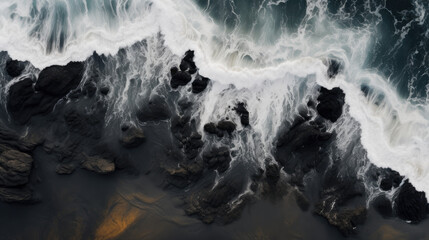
243,113
132,137
226,125
411,205
217,158
59,80
200,84
188,64
14,68
331,103
389,179
155,109
383,206
180,79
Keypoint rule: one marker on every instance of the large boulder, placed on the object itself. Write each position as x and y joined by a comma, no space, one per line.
59,80
180,79
331,103
14,67
15,167
411,205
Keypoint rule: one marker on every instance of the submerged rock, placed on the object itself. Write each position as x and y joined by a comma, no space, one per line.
346,220
15,168
188,63
14,67
18,195
132,137
98,165
226,125
331,103
383,206
65,169
411,205
155,109
217,158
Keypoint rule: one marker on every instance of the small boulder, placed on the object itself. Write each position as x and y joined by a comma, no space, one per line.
98,165
227,126
65,169
16,195
243,113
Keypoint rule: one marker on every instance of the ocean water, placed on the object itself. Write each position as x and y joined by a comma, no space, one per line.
271,54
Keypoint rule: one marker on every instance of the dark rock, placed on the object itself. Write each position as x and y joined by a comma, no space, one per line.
11,140
272,172
14,68
15,168
180,79
386,185
334,68
243,113
411,205
227,126
17,195
59,80
188,63
132,137
173,71
210,128
345,220
200,84
389,179
65,169
383,206
85,124
98,164
89,89
156,109
104,90
217,158
331,103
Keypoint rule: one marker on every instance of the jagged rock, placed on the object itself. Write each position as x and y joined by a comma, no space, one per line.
155,109
132,137
98,165
59,80
383,206
65,169
227,126
180,79
14,68
213,204
19,195
345,220
411,205
188,63
200,84
15,167
243,113
217,158
331,103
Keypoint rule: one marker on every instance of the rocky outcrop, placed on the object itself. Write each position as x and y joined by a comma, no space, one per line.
14,67
411,205
243,113
217,158
131,137
331,103
15,167
27,98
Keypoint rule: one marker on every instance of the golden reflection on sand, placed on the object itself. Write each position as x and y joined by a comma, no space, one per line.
387,232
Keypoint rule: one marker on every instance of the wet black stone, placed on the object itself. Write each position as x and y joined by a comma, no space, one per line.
104,90
217,158
227,126
331,103
59,80
383,206
14,68
200,84
210,128
243,113
411,205
180,79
